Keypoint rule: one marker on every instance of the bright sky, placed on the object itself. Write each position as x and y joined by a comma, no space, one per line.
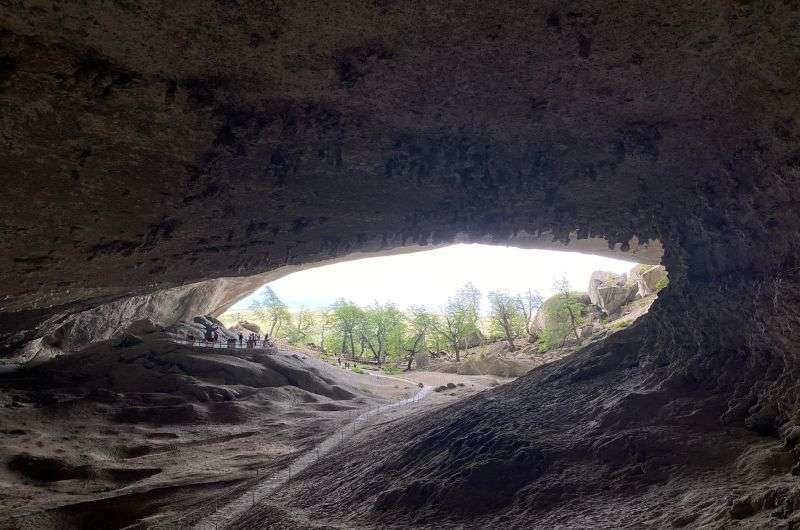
429,278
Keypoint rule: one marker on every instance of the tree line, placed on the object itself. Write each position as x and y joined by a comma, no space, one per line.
382,332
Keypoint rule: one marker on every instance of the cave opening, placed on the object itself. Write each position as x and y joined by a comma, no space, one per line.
519,298
161,160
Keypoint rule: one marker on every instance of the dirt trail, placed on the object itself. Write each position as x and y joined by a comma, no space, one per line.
231,511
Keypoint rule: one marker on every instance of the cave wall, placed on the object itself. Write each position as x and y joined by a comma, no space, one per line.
154,145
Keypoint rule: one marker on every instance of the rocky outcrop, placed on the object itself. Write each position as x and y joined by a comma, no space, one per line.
610,291
197,327
163,309
246,328
649,278
597,279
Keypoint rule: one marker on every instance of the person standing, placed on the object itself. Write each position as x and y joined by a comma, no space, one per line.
241,339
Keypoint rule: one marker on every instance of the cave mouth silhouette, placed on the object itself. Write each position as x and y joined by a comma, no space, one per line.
429,277
166,158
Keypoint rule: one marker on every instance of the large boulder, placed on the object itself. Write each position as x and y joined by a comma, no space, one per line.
610,291
597,279
246,328
648,278
196,327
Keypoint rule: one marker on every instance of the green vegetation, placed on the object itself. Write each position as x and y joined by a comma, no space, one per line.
662,284
392,339
272,310
506,321
563,315
621,324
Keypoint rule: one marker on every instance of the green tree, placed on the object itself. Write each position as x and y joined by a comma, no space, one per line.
346,317
460,318
271,309
380,329
301,326
564,313
570,304
529,303
325,322
506,316
415,338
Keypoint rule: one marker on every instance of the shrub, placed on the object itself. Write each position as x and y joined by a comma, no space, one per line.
621,324
559,310
662,283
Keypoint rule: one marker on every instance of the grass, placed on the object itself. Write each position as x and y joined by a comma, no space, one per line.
621,324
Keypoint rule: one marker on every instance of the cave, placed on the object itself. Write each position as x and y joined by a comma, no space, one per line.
161,160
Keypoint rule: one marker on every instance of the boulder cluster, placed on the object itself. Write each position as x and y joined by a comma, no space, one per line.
610,291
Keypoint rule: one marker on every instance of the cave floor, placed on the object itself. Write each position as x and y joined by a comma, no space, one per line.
115,443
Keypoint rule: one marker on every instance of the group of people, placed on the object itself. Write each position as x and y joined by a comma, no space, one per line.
211,334
253,339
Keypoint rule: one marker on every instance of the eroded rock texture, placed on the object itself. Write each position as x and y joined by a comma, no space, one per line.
150,145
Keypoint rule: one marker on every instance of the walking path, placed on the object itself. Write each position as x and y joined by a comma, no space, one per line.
231,511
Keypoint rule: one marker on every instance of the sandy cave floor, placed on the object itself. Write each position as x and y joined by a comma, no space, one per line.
160,432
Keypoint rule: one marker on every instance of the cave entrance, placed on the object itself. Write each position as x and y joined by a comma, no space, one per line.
449,305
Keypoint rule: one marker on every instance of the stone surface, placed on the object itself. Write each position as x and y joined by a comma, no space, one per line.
65,333
610,291
597,279
256,137
648,277
246,328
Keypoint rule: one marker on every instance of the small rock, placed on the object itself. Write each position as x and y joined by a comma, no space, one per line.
683,520
793,436
742,508
104,395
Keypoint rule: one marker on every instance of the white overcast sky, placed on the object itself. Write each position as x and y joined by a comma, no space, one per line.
428,278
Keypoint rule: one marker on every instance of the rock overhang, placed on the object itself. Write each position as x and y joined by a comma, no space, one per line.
234,139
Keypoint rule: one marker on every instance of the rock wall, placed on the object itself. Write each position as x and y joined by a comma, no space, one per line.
74,332
242,155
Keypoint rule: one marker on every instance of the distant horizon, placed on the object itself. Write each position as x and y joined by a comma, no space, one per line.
429,277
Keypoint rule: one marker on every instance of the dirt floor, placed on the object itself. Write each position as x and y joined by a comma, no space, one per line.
590,441
158,434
